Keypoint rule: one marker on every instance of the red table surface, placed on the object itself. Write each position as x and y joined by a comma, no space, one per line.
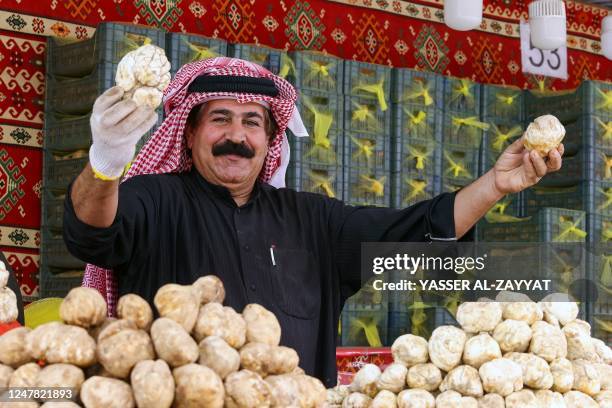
349,360
4,327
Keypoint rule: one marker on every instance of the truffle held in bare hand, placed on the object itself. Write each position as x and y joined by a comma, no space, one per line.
544,134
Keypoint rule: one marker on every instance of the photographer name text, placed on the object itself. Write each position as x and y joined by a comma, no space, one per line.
463,284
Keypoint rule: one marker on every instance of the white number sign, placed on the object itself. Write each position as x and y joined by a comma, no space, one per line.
552,63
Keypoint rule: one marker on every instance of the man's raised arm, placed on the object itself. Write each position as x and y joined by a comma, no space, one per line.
515,170
116,127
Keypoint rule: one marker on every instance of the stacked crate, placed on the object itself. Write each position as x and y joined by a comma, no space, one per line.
274,60
363,321
502,108
563,259
586,114
367,134
417,106
316,161
366,171
584,181
413,312
462,133
77,73
546,225
416,109
182,49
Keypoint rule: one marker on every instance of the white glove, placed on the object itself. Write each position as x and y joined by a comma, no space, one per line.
116,127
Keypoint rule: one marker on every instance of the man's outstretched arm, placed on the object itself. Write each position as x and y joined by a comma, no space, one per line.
116,127
515,170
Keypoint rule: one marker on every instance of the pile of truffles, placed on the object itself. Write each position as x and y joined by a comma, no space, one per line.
508,353
8,299
198,353
144,74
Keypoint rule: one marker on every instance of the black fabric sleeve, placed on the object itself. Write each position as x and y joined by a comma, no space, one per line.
422,222
115,245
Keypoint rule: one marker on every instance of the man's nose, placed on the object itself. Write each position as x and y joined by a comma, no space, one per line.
236,132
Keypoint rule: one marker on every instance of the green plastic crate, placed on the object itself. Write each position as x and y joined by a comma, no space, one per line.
402,321
364,115
367,152
53,209
496,139
502,103
359,77
109,44
459,164
590,130
74,132
589,196
58,173
600,308
317,71
547,225
367,187
591,98
71,133
464,129
409,188
77,96
324,152
366,309
588,163
599,228
321,179
272,59
57,282
509,206
462,95
423,89
322,105
414,122
185,48
417,157
54,252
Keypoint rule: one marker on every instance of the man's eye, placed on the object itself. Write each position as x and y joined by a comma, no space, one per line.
252,123
220,120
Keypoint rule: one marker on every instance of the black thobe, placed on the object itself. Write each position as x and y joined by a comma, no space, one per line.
174,228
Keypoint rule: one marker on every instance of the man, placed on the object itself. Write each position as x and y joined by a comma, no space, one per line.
297,254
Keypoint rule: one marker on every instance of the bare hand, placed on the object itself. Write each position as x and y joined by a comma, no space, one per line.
517,168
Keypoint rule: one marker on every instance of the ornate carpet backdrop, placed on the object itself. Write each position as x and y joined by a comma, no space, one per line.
392,32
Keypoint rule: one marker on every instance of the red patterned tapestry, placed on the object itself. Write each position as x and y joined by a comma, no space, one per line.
22,78
392,32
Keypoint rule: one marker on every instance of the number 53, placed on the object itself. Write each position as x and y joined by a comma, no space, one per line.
545,57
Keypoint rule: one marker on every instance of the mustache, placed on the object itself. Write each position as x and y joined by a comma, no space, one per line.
229,147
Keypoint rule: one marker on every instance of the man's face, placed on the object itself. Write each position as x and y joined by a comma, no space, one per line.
230,144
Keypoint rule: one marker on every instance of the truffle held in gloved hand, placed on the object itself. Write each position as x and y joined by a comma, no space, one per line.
144,74
124,113
116,127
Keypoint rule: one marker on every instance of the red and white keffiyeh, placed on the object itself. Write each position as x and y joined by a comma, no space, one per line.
166,151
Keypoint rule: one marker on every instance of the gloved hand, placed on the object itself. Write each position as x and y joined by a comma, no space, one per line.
116,127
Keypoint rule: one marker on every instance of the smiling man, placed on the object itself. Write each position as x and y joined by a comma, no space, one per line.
204,196
229,143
